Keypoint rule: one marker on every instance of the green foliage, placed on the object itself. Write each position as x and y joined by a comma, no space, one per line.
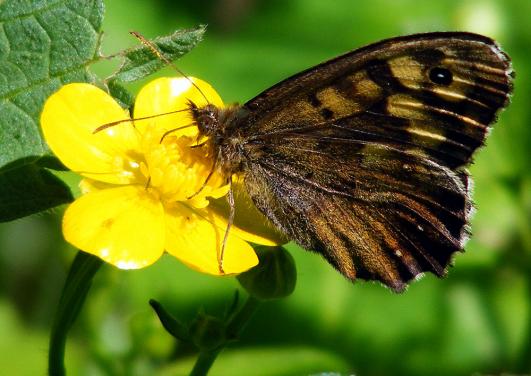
141,61
43,45
120,93
173,326
274,277
77,286
269,361
29,189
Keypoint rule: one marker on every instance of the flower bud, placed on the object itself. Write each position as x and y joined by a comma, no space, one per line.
274,277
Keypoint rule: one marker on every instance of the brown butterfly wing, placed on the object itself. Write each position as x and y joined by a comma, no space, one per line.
361,158
388,85
389,218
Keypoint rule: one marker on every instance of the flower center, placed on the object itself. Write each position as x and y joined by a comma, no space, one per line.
178,171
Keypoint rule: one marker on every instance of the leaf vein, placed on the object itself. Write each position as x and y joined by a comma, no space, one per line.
35,84
33,12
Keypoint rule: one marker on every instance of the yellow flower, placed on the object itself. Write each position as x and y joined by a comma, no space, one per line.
135,204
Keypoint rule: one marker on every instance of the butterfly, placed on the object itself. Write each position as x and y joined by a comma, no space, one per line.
363,158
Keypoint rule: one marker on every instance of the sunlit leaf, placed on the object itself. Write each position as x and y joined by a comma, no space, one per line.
142,61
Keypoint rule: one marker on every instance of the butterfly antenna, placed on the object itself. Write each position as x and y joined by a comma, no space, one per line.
161,56
113,123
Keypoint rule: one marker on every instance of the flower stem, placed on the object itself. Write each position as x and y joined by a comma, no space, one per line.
237,323
204,361
234,327
74,292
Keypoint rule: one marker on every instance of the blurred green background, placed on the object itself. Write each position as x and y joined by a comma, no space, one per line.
474,322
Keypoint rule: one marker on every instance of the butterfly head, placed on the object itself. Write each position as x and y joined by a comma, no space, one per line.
206,118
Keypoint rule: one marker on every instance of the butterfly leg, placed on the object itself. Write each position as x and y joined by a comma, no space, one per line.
198,145
205,182
173,130
230,199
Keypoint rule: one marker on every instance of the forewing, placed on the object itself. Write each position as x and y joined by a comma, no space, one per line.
361,159
390,86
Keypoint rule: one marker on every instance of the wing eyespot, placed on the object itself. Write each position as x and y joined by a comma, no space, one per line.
441,76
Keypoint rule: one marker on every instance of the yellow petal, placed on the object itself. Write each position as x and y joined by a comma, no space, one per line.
196,242
249,223
168,94
68,121
124,226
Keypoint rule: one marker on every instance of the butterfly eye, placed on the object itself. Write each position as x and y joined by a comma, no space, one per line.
441,76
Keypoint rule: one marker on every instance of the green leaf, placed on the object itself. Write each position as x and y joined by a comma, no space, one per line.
43,45
120,93
142,61
170,323
29,189
51,162
75,290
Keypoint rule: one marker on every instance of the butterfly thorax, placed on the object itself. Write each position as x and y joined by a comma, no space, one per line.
224,142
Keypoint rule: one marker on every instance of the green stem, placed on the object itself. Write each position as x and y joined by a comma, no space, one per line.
205,361
74,292
233,329
237,323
